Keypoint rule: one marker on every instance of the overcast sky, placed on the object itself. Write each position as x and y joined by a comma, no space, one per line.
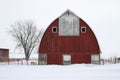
103,16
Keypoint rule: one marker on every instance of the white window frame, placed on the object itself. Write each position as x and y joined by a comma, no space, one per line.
82,28
53,29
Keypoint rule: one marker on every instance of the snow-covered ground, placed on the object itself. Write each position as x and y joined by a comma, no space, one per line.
60,72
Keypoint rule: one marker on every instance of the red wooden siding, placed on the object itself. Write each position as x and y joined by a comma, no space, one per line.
4,55
80,58
54,58
84,43
5,52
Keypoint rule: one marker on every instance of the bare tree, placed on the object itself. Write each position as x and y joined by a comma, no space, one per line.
26,35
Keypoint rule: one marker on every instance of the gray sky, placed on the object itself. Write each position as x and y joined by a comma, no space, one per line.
103,16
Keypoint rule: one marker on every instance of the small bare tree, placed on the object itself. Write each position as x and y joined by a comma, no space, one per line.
26,35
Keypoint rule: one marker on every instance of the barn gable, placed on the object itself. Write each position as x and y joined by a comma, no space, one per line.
69,24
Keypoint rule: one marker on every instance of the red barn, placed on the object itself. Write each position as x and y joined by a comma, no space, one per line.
4,54
69,40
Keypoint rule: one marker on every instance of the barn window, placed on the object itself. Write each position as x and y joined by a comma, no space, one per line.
66,59
95,59
43,59
83,29
54,29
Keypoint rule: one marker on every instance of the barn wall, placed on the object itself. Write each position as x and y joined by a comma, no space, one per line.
75,58
54,58
5,53
80,58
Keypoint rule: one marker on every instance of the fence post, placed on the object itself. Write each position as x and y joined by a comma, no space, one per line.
8,61
21,61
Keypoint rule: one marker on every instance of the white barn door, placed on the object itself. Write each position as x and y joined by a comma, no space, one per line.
95,58
66,59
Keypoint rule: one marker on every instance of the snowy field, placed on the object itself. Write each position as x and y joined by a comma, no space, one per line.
60,72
